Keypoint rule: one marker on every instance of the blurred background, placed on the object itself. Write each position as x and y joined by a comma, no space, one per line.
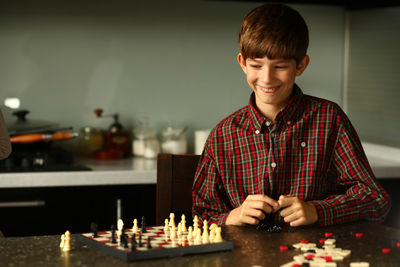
175,61
121,78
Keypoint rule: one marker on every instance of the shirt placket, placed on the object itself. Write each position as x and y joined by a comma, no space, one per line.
271,161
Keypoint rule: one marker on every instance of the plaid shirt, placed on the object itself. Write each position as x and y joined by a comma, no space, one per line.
311,151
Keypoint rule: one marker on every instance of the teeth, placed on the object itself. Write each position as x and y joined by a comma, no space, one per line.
264,89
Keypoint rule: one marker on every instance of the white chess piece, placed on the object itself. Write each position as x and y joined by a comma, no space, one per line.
218,236
171,219
120,225
135,227
67,241
190,233
62,241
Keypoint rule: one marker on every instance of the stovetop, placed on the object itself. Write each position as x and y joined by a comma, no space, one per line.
45,159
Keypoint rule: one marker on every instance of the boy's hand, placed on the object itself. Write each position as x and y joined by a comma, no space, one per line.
297,212
252,210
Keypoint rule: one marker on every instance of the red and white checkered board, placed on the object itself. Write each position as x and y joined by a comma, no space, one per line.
160,246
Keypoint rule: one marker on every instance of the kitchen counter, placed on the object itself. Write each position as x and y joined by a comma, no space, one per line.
385,162
120,172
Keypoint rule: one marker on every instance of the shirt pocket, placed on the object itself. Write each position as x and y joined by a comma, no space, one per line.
305,161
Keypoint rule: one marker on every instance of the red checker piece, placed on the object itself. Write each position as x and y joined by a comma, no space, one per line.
284,248
304,241
328,234
385,250
327,258
310,256
359,235
322,241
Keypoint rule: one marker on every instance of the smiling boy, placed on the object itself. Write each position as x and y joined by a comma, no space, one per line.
289,155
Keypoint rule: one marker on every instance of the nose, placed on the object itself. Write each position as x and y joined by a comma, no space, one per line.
267,75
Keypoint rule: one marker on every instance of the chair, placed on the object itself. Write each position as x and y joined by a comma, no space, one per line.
175,175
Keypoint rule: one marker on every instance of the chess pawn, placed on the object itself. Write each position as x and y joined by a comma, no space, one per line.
212,235
179,229
67,241
183,219
120,225
205,226
205,237
195,222
171,219
62,241
166,228
173,243
198,239
190,233
183,226
135,227
218,236
173,233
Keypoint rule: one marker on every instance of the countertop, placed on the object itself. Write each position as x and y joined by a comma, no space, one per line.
385,162
251,248
104,172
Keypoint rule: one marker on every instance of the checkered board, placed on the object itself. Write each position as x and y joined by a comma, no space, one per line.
160,246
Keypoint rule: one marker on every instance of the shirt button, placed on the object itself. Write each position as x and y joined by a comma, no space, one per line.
257,131
273,164
268,123
303,144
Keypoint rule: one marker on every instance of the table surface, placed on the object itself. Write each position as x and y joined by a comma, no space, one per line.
251,247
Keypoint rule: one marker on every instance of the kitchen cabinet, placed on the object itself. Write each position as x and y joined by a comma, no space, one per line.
53,210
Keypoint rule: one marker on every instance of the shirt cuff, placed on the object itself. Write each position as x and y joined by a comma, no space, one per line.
326,213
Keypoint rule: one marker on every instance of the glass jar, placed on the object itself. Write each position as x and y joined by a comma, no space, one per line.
90,140
151,145
174,140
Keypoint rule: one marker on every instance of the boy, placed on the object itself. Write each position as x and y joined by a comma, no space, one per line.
286,155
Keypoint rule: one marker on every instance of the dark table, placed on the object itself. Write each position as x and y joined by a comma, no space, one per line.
252,247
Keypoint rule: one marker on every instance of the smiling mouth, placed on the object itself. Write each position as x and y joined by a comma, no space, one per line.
268,90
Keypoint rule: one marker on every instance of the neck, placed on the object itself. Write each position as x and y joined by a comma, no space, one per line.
268,111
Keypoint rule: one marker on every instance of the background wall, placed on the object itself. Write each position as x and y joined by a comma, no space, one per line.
374,74
166,60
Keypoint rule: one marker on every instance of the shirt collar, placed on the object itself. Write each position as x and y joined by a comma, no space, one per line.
287,114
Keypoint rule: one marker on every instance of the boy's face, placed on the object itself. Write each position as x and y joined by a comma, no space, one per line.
272,79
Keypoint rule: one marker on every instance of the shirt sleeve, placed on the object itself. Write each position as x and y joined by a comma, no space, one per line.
363,196
207,201
5,145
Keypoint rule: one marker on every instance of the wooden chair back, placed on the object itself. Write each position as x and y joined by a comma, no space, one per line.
175,175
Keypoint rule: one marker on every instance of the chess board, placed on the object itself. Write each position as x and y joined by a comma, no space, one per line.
161,246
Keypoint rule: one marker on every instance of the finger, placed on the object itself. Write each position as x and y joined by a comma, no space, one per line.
286,201
258,204
272,202
298,222
246,219
287,211
291,217
255,213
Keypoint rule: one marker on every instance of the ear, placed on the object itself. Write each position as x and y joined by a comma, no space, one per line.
303,65
242,62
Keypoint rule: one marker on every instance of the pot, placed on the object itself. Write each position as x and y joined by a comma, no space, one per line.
23,125
24,130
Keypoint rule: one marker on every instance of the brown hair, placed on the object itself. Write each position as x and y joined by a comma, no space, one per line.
275,31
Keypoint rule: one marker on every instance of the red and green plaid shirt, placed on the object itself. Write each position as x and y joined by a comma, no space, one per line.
311,151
